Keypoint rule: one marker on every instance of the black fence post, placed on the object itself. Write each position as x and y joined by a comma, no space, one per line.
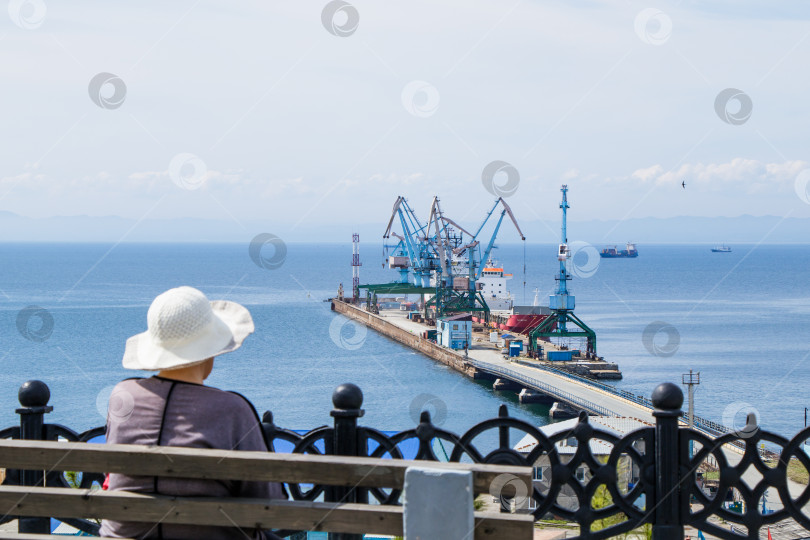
667,525
348,400
33,396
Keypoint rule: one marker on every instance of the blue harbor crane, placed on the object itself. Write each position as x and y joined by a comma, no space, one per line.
420,255
562,301
438,258
414,256
460,291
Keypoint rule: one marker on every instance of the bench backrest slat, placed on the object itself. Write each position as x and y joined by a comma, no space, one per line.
5,535
231,465
229,512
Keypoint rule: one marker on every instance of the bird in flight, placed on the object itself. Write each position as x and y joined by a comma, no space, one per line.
683,184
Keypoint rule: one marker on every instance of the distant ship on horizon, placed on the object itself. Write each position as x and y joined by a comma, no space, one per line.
611,252
721,249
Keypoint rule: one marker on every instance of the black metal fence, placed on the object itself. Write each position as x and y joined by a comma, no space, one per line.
655,477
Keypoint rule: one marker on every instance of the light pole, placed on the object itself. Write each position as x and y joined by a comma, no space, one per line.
691,380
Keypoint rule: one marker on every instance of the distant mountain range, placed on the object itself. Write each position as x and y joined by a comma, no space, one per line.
707,230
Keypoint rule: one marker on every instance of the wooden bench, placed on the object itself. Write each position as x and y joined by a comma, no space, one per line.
349,472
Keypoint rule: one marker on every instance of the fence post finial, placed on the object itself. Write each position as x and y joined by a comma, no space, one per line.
347,398
34,394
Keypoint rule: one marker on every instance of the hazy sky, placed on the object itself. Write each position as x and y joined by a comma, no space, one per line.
319,112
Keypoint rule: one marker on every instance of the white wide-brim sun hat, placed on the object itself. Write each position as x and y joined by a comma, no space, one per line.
185,328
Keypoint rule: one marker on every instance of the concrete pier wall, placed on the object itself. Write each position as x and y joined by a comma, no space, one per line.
445,356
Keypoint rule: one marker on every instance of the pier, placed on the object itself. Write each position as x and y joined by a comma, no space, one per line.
485,362
544,383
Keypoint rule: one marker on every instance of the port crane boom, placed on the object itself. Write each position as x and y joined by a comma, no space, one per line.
442,244
506,210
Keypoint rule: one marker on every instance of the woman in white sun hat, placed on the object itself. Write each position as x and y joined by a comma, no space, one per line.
173,408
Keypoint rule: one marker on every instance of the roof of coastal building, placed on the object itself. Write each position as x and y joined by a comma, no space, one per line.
614,425
461,317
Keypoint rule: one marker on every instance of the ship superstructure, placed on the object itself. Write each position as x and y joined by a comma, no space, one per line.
494,288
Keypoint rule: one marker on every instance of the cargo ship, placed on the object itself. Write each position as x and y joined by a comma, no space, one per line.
611,252
503,312
721,249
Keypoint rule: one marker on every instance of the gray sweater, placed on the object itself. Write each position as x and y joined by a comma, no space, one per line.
157,411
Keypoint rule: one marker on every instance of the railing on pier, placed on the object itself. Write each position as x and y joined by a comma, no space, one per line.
703,424
608,485
551,390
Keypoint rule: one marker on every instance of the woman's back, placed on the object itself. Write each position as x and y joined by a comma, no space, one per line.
165,412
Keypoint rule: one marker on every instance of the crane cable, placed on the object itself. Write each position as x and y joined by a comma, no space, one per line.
524,271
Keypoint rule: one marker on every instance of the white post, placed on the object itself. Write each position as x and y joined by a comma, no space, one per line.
438,504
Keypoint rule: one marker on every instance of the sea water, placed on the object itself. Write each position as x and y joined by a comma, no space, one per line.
741,319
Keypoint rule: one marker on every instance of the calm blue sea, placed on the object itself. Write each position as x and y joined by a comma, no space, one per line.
742,319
